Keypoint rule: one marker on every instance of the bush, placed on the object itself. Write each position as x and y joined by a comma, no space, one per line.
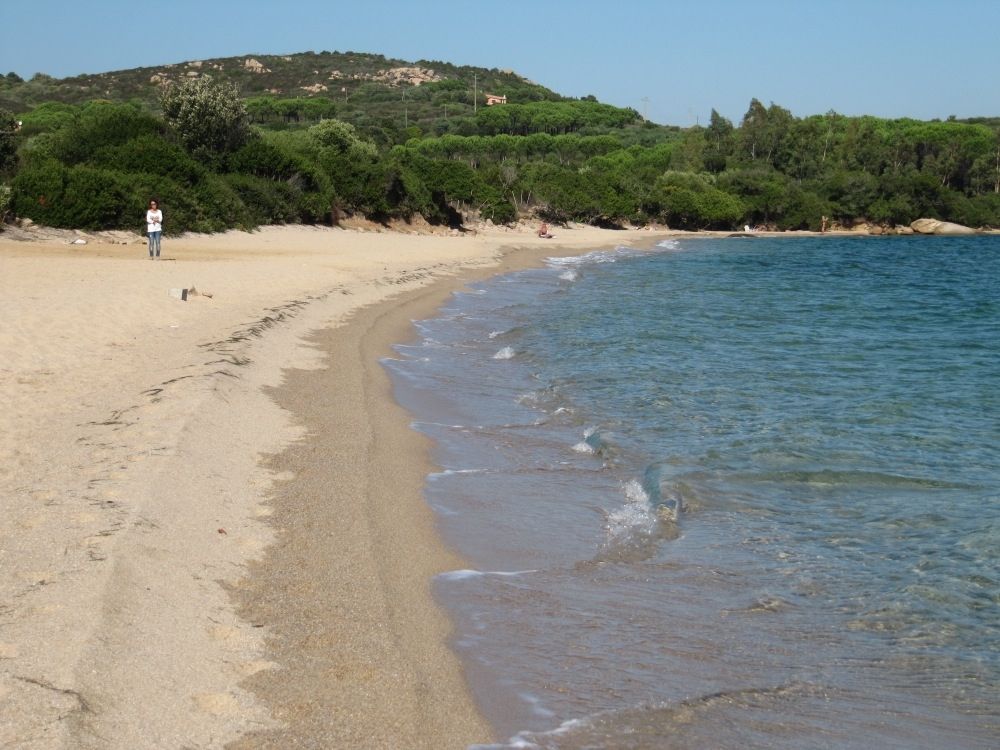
100,125
47,117
150,154
37,192
209,118
79,197
8,147
220,206
6,203
690,201
263,159
266,202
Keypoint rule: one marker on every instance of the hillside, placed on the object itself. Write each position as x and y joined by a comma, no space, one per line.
348,79
315,137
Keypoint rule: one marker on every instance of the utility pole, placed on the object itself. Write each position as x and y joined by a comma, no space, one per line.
475,93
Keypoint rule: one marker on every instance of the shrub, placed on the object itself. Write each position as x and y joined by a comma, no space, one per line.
342,138
220,206
150,154
263,159
94,198
266,202
209,118
8,146
47,117
6,202
100,125
79,197
37,192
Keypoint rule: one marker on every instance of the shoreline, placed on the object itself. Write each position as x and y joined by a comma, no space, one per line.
135,499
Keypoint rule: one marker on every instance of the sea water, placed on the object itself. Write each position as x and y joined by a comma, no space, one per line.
724,494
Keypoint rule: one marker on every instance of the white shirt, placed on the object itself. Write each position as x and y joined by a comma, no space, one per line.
153,221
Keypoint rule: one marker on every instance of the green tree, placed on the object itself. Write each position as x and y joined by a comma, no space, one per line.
8,144
718,142
343,138
209,118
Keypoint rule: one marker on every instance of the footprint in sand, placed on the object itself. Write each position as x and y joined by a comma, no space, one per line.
249,668
44,496
230,637
252,545
32,522
37,577
216,704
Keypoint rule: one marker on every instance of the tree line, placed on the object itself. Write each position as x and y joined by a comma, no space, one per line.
216,161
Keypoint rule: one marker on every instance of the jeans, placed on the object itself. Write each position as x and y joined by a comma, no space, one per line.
154,244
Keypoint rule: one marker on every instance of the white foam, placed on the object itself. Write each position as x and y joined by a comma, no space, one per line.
506,353
494,334
569,275
537,707
669,245
466,574
598,256
583,446
523,741
453,472
636,514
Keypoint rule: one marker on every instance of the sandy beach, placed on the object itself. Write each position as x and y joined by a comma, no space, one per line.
213,529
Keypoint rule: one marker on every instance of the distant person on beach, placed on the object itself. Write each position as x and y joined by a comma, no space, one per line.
543,231
154,228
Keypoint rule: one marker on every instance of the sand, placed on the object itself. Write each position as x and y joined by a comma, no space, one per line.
212,530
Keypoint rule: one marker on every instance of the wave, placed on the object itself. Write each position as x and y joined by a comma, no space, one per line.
597,256
686,723
668,245
598,443
506,353
466,574
454,472
505,332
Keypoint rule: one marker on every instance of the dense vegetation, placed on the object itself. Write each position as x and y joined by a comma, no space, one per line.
382,146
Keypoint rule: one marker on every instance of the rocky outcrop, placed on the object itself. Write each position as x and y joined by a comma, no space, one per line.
255,66
412,75
933,226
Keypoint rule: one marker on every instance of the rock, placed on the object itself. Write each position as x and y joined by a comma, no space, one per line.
26,223
255,66
902,229
933,226
78,241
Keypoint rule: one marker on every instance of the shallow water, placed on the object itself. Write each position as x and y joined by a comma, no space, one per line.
730,493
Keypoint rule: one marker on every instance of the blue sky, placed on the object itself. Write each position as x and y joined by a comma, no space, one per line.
891,58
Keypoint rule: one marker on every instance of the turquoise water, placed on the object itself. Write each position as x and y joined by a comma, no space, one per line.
728,493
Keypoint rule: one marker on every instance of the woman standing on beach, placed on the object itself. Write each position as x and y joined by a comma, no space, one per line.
154,228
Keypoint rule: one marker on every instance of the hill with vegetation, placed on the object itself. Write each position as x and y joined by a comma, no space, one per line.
314,137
